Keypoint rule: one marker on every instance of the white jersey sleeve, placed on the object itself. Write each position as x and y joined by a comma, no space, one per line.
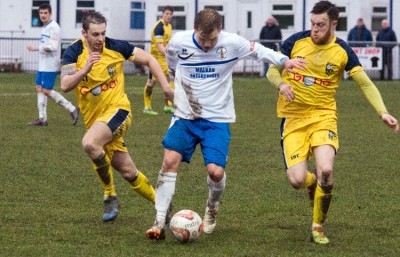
50,48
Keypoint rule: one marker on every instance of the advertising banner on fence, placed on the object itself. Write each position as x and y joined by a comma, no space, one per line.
370,57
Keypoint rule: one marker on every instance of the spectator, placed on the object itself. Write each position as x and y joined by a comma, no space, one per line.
386,35
359,33
271,31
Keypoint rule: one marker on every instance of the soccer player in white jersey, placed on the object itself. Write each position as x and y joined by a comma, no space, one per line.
49,65
202,62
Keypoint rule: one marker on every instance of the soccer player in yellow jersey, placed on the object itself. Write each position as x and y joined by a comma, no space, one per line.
93,67
160,35
307,107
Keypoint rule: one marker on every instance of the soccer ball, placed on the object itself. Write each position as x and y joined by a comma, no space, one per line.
186,226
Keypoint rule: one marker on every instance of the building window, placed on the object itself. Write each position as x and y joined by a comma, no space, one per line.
138,15
378,14
82,7
35,22
284,13
249,25
220,10
342,21
178,21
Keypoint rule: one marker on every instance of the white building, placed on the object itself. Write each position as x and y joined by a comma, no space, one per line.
133,19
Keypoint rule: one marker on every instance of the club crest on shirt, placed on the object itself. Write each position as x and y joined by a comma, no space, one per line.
330,68
221,51
112,70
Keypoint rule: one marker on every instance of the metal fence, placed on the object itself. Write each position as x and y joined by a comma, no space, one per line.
14,57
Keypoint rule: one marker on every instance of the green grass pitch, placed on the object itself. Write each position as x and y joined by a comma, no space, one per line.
51,202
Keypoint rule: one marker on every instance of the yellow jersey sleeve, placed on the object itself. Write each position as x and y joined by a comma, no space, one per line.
369,90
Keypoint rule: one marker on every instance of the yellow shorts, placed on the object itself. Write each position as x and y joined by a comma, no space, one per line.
118,120
164,66
300,135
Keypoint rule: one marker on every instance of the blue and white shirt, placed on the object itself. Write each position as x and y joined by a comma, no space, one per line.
203,80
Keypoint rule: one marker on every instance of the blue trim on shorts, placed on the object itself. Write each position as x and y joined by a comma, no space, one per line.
118,119
213,137
46,79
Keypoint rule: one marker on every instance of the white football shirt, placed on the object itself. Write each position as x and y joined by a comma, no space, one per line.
203,80
50,40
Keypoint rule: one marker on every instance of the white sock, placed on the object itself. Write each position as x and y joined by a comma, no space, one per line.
165,190
215,191
42,106
58,98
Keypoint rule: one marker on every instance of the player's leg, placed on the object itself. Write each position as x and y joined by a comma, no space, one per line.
324,158
41,102
110,125
165,190
49,79
139,183
179,146
148,96
93,142
215,149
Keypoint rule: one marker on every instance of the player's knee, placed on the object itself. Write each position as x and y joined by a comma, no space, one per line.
326,179
88,145
297,182
216,174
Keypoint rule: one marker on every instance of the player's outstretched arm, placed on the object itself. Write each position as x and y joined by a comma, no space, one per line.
144,58
375,99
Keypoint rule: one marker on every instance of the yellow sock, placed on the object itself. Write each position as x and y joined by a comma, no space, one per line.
311,178
148,95
322,202
142,186
105,175
171,85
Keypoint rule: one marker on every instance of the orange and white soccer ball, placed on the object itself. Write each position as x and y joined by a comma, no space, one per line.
186,226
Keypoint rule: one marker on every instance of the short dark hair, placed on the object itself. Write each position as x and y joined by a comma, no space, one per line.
326,7
92,17
45,7
207,20
168,8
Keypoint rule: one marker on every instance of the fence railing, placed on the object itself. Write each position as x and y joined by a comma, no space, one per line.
14,56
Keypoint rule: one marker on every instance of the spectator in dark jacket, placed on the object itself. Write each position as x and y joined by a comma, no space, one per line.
386,35
359,33
269,33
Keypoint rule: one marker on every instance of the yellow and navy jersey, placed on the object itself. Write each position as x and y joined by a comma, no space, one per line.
160,33
315,86
104,85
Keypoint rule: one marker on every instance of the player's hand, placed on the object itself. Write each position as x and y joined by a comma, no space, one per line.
31,48
391,122
169,94
287,91
93,58
297,63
